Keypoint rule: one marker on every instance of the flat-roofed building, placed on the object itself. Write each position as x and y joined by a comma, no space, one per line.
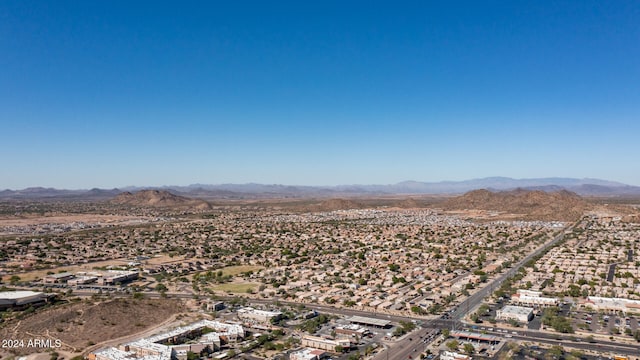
82,280
613,304
263,316
368,321
214,305
476,337
17,299
450,355
325,344
532,298
308,354
112,277
58,278
352,330
169,345
518,313
117,354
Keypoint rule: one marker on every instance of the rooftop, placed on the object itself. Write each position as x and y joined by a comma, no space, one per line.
368,321
18,294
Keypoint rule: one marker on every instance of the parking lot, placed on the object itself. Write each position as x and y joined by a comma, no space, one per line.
604,323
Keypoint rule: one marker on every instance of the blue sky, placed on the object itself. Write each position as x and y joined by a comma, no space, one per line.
116,93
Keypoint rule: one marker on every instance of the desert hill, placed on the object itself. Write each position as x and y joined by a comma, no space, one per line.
531,204
158,198
82,323
336,204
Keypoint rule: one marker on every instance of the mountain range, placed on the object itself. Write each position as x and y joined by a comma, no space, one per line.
584,187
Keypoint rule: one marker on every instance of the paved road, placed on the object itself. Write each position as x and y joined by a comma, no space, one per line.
409,347
611,273
555,339
476,298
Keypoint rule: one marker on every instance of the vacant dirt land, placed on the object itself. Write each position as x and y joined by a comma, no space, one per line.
81,324
39,274
71,218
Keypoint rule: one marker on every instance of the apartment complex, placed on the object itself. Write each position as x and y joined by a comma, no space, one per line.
155,347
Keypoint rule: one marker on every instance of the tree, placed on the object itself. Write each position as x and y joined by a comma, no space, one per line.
417,309
556,351
577,354
468,348
475,318
446,333
407,326
483,309
453,345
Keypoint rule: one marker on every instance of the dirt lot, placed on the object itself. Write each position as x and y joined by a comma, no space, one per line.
70,218
39,274
82,324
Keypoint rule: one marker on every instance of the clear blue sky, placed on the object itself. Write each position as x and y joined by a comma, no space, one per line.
116,93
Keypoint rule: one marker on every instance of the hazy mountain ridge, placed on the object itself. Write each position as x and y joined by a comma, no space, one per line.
584,187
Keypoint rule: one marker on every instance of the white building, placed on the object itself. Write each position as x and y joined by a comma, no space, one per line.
10,299
153,347
449,355
262,316
613,304
532,298
308,354
518,313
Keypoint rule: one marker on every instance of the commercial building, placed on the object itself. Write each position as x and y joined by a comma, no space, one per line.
58,278
352,330
362,320
532,298
449,355
325,344
477,337
113,277
20,299
613,304
308,354
82,280
214,305
262,316
518,313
